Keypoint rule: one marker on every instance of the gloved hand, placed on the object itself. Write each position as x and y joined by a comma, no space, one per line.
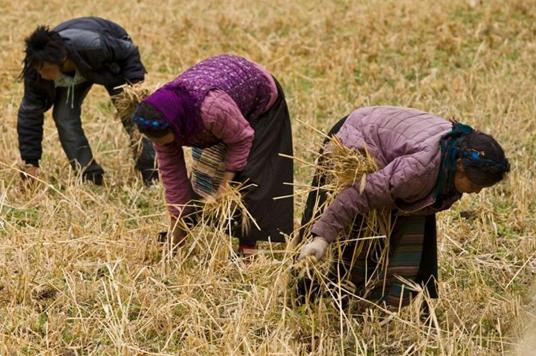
316,248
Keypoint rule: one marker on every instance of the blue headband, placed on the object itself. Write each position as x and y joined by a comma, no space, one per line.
476,158
150,124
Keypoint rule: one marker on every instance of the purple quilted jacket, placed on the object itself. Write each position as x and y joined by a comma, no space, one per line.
405,144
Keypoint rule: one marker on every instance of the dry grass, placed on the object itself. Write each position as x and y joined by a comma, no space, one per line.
219,214
341,167
344,166
81,271
127,101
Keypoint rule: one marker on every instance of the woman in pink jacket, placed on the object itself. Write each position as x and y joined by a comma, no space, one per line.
230,106
426,163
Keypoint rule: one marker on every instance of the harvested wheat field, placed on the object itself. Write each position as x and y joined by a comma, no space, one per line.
82,272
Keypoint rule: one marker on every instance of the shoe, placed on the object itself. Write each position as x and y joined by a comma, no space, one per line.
247,250
149,176
95,178
246,253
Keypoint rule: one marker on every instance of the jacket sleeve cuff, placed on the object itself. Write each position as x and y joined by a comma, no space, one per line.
180,211
322,230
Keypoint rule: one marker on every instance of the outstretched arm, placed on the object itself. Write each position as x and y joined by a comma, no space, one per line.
177,186
406,178
30,120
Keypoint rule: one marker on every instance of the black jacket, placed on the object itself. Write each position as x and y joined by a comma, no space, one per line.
103,53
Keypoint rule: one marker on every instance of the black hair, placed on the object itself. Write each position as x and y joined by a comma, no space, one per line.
150,122
155,133
43,45
483,158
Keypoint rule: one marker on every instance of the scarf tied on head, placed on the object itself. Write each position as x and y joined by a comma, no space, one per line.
450,152
169,108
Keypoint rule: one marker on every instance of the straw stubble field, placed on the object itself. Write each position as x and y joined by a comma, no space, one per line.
81,271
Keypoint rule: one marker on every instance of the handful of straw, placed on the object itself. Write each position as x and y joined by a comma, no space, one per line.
126,103
342,167
220,213
216,218
132,94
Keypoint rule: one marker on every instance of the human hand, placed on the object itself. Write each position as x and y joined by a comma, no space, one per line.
29,175
176,234
221,191
29,171
225,184
316,248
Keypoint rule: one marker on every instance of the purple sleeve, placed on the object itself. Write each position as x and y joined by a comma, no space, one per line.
406,178
222,117
174,176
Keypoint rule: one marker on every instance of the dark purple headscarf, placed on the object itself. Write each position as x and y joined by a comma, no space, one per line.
176,108
179,102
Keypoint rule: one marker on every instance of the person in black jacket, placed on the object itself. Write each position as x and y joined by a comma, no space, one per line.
60,66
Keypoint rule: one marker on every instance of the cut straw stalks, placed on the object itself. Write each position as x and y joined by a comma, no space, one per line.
126,103
221,213
343,167
131,95
216,218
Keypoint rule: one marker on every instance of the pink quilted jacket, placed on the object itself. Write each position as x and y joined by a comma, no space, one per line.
405,144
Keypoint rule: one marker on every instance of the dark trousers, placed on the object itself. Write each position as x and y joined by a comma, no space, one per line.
66,114
271,174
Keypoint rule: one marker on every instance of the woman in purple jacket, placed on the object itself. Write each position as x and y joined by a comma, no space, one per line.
425,165
224,104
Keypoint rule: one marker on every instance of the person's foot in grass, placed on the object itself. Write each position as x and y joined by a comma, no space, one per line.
247,251
150,177
93,177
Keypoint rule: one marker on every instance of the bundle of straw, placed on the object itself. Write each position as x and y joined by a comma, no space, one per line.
221,213
217,218
126,103
131,95
342,167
